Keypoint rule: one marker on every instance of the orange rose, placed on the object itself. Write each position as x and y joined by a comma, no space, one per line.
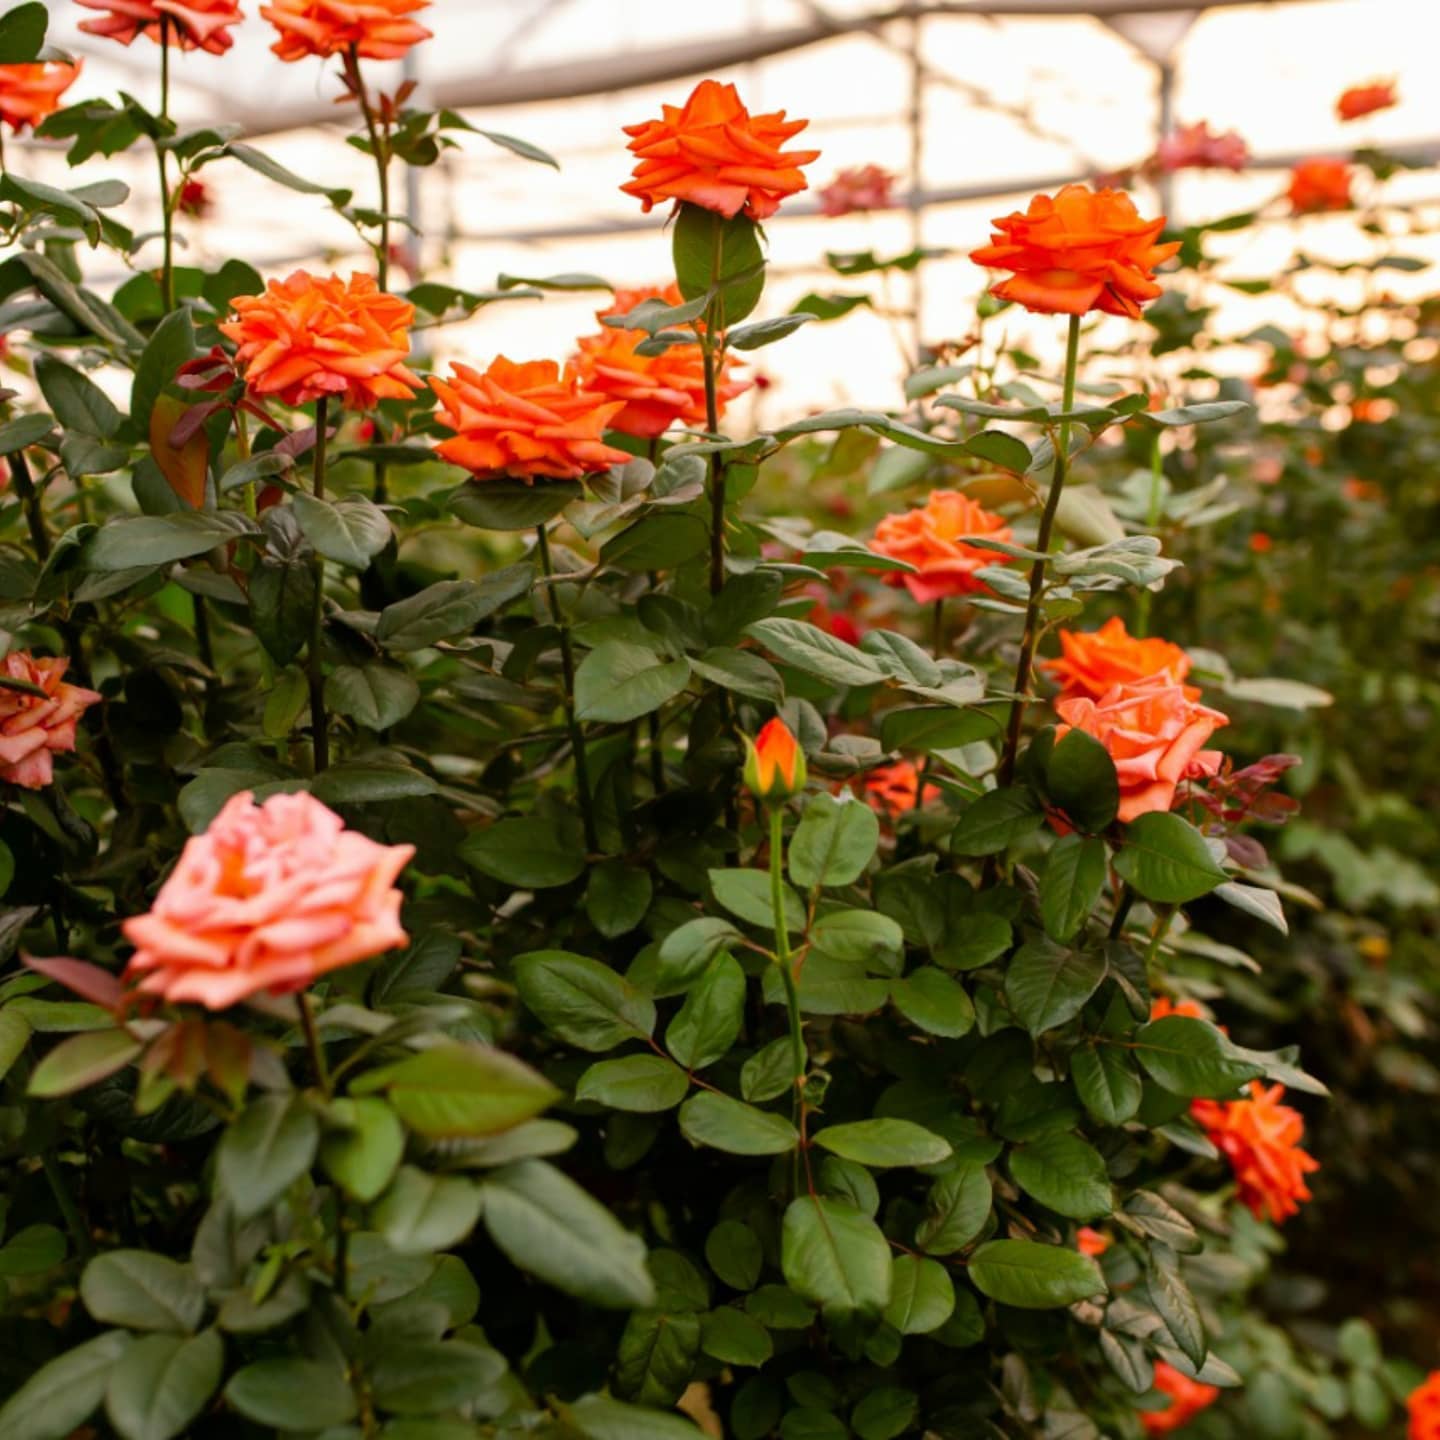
931,539
891,789
657,390
1423,1406
193,24
1261,1139
1094,661
1319,184
1361,100
714,153
1187,1399
33,728
1154,733
28,93
307,337
377,29
774,762
1163,1005
1260,542
1083,250
524,420
1091,1242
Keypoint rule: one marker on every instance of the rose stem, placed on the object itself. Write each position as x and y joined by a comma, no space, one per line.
787,974
167,273
319,723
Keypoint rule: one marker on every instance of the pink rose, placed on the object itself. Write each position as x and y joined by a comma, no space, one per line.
269,898
34,727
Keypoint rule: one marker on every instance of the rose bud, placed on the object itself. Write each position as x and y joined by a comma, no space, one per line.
774,763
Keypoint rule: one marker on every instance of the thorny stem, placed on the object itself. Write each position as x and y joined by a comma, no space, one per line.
1031,635
787,973
567,668
315,666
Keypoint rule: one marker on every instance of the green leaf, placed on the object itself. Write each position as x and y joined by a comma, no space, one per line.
351,532
265,1151
727,1124
362,1157
450,1091
423,1377
618,682
656,542
1191,1058
292,1394
82,1061
523,148
1191,414
834,841
862,936
582,1001
976,940
732,1336
929,998
32,1251
885,1413
711,251
746,893
1080,779
955,1210
1065,1174
1071,885
686,951
141,1291
61,1395
922,1297
883,1143
1048,984
76,401
927,728
836,1256
640,1084
1176,1306
734,1253
709,1021
22,33
133,542
361,782
597,1417
512,504
767,332
24,431
811,649
996,821
171,345
769,1072
164,1384
1163,1222
422,1213
742,671
530,853
1107,1083
1032,1276
1167,860
374,696
547,1225
617,897
34,197
449,608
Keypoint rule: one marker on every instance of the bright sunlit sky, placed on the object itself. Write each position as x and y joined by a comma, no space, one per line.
1008,101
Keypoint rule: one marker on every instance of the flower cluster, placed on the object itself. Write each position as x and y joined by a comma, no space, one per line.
933,538
39,710
1187,1399
1261,1139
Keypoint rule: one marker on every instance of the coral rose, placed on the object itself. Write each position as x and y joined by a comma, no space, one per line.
28,93
1187,1399
308,337
712,152
931,538
657,390
863,187
1320,184
1198,147
1361,100
269,898
524,420
377,29
1423,1407
1154,732
1079,251
190,24
1261,1139
33,728
1092,662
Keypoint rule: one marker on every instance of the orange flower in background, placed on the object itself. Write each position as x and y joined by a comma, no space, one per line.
1187,1399
28,93
378,29
657,390
1078,251
1092,662
190,24
862,187
524,420
269,898
931,538
1260,542
308,337
1361,100
194,199
1091,1242
1261,1139
892,789
1154,732
1423,1407
35,728
1319,185
1163,1005
714,153
1198,147
774,762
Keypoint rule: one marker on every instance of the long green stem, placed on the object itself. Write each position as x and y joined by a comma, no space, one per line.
167,273
567,667
312,1043
315,668
1031,636
714,334
1152,519
787,974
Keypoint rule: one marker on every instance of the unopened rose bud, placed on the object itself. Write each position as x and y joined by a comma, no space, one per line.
774,763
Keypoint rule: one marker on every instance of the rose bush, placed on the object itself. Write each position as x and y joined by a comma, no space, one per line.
571,991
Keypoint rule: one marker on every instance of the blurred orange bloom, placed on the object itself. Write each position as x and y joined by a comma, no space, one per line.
657,390
378,29
1154,732
1355,488
1163,1005
1198,147
192,24
1078,251
524,420
1261,1138
713,153
1093,661
1187,1399
862,187
1361,100
1319,184
892,789
308,337
1091,1242
1261,543
28,93
1423,1406
931,539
